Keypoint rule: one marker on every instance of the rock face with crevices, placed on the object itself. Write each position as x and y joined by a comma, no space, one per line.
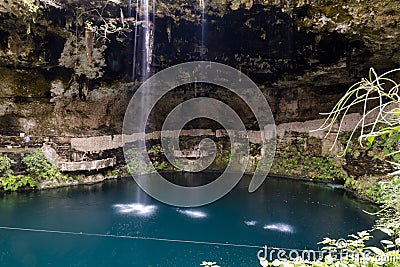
60,79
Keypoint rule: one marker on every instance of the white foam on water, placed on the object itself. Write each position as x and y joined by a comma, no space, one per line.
193,213
280,227
137,209
250,223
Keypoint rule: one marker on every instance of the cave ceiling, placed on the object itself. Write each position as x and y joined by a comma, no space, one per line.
275,41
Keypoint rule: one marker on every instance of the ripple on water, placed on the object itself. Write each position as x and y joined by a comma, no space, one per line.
250,223
193,213
136,209
280,227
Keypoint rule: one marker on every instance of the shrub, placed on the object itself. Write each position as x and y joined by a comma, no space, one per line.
5,165
38,168
9,181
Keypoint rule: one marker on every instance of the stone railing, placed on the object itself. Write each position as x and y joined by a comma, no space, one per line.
106,142
195,153
87,165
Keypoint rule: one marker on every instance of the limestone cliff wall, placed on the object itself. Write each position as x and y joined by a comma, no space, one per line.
303,55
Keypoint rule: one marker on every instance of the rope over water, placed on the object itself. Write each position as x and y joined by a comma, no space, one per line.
48,231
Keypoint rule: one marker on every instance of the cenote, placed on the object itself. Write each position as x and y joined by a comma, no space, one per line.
87,224
93,92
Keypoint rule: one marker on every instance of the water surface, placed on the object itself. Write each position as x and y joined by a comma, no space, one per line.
282,213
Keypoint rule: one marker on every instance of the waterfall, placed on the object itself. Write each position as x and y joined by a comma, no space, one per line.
143,39
203,22
135,41
143,42
147,40
202,47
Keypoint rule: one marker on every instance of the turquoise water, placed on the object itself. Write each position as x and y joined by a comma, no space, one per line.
282,213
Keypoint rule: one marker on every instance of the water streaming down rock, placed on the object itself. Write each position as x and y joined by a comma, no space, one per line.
135,41
143,42
147,40
146,51
200,89
203,25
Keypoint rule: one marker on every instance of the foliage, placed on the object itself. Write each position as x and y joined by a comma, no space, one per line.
156,156
295,160
354,251
135,162
12,182
159,165
37,170
30,11
107,27
116,172
383,147
75,56
350,183
38,167
389,216
30,4
222,159
343,253
5,165
9,181
381,120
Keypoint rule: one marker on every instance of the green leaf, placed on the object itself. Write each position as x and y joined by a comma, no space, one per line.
353,236
387,231
386,242
327,240
371,139
376,250
396,111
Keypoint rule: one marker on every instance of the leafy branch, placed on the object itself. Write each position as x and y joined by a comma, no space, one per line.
382,119
107,25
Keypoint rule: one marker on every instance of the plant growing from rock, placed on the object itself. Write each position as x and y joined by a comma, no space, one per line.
5,165
38,167
381,120
9,181
75,56
135,162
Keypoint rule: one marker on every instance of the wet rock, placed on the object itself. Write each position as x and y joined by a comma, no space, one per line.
303,55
